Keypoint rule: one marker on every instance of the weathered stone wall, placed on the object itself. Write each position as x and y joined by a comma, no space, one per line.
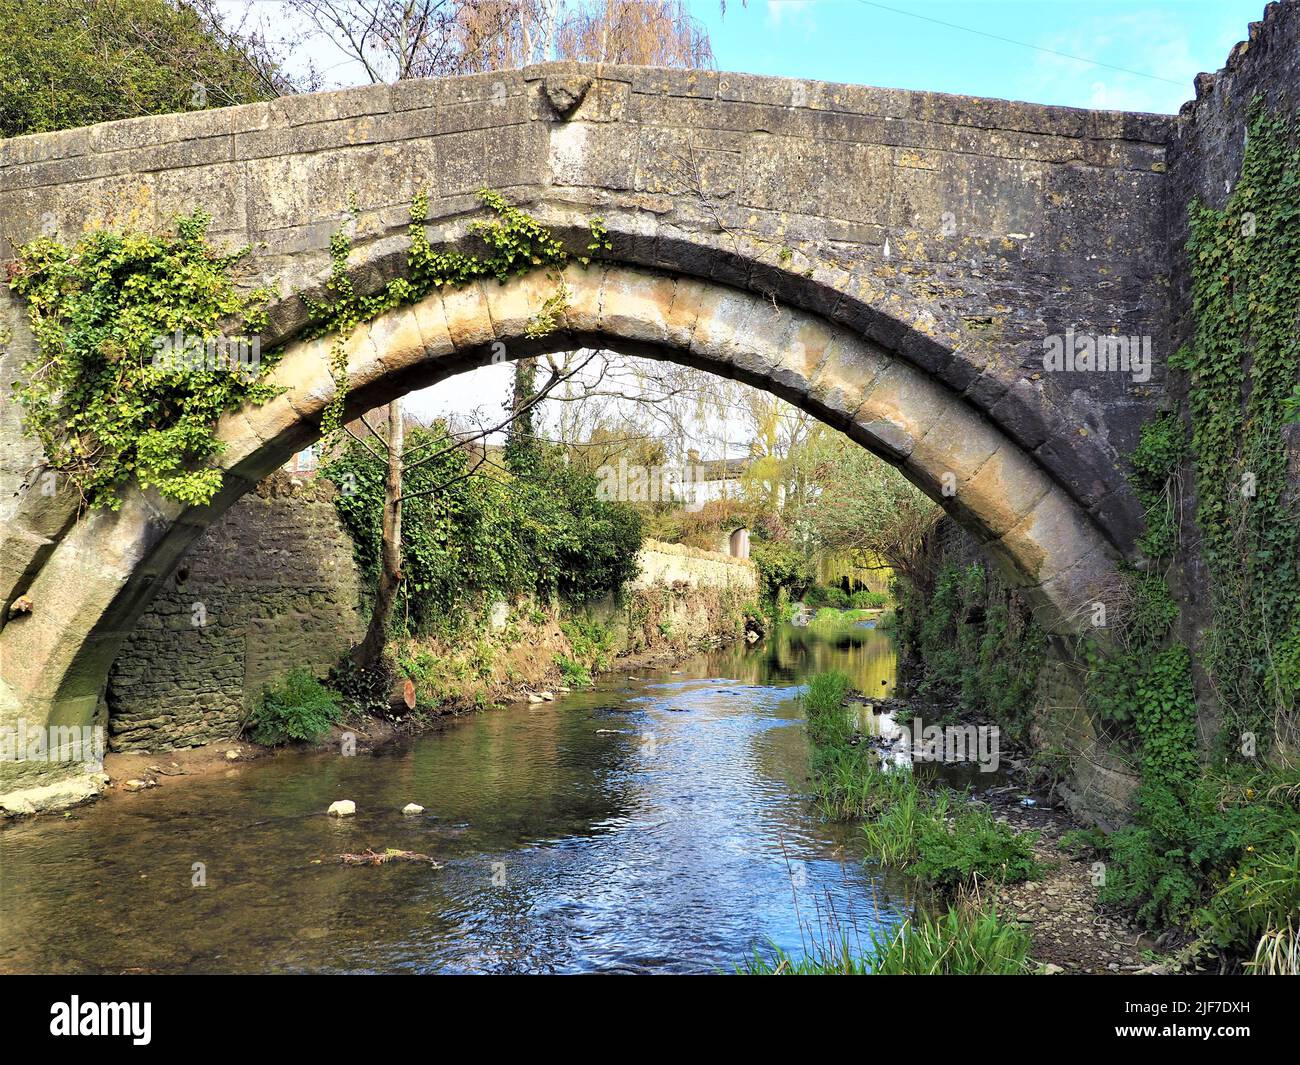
275,586
1209,141
1205,158
668,564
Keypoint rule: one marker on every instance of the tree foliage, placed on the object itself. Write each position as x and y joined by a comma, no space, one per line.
67,63
867,507
470,538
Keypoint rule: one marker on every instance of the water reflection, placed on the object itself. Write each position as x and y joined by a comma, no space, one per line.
651,824
791,654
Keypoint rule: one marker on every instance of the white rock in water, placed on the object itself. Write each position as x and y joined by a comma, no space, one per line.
342,808
535,698
548,696
232,756
412,808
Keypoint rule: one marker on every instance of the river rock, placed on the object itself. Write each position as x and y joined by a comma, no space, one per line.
535,698
412,808
548,696
139,785
232,756
342,808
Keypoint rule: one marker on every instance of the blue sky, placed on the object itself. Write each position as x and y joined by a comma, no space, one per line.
1160,44
870,44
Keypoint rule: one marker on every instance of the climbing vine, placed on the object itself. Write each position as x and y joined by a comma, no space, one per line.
517,243
132,369
1243,362
135,333
1218,846
470,540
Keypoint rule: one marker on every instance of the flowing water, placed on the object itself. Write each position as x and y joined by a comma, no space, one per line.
656,823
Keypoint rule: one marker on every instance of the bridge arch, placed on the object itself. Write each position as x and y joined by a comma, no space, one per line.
100,576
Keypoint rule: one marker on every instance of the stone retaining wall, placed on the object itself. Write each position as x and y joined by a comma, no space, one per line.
270,586
663,563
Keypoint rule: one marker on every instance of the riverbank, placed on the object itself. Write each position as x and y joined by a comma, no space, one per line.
133,773
1068,932
974,820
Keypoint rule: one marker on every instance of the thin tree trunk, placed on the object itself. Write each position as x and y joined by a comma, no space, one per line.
371,649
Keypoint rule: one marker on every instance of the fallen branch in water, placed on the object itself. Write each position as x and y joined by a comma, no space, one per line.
391,854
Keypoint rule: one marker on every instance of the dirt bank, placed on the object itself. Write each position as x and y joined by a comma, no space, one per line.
1059,910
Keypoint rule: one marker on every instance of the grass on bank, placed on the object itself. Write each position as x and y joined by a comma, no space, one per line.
906,826
962,941
829,621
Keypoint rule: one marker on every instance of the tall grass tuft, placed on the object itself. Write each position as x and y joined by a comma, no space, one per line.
828,722
963,941
1278,952
904,826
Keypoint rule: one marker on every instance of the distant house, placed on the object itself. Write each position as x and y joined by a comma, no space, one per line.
708,480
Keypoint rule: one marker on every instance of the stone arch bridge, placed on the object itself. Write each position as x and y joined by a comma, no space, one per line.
893,262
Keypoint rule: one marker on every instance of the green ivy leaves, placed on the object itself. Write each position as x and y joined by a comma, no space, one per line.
1243,363
488,536
94,396
103,409
517,243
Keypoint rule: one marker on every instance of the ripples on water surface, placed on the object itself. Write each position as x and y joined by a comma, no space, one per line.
678,843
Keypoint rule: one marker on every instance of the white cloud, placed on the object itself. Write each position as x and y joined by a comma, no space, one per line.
791,14
1152,42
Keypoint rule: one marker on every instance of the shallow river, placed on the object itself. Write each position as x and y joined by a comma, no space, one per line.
652,824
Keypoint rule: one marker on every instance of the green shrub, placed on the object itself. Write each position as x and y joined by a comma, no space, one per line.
820,595
574,673
298,708
868,600
1083,842
68,63
467,541
783,572
591,642
905,827
1225,861
972,849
